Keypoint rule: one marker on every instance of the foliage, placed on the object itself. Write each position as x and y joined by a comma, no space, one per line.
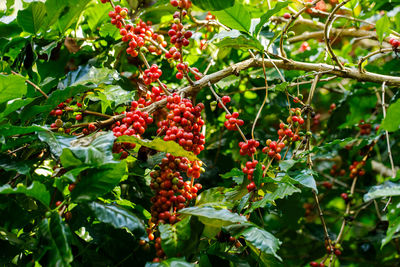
78,189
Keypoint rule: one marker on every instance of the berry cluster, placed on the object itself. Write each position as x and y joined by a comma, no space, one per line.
118,15
135,123
335,172
249,171
62,110
232,121
316,264
173,53
225,100
157,94
183,4
179,37
273,149
332,107
365,128
183,124
248,147
356,169
287,133
394,43
152,74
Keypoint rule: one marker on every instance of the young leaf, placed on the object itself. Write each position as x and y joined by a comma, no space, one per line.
11,87
392,121
264,18
160,145
382,27
236,17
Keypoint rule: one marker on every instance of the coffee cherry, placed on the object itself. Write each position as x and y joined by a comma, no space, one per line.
314,264
91,127
58,203
71,187
287,16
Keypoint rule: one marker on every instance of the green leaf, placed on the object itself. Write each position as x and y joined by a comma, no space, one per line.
32,18
214,217
174,237
81,80
258,175
98,181
258,237
75,8
36,190
393,216
283,190
236,174
285,165
382,27
213,197
9,130
392,121
306,178
236,17
387,189
92,150
11,87
118,217
265,18
56,142
213,4
9,164
171,262
15,104
56,236
236,39
160,145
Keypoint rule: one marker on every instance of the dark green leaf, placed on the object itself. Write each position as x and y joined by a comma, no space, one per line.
35,190
118,217
258,175
98,181
258,237
393,216
213,197
56,142
306,178
56,234
15,104
235,38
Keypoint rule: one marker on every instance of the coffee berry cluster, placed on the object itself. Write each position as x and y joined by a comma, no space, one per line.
232,120
152,74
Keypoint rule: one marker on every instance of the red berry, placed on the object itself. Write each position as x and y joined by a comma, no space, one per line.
78,117
287,16
59,112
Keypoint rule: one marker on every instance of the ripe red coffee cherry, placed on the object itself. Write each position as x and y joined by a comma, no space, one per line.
59,112
174,3
91,127
287,16
71,187
338,252
78,117
58,203
314,264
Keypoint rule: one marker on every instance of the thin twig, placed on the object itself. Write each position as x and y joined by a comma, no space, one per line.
31,83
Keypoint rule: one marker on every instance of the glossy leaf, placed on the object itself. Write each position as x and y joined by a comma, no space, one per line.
236,39
213,217
174,237
382,27
98,181
118,217
36,190
56,235
56,142
258,237
387,189
306,178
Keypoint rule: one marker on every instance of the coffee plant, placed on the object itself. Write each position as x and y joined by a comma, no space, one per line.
199,133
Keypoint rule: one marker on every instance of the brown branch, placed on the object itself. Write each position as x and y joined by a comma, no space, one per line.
384,50
88,112
328,25
31,83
